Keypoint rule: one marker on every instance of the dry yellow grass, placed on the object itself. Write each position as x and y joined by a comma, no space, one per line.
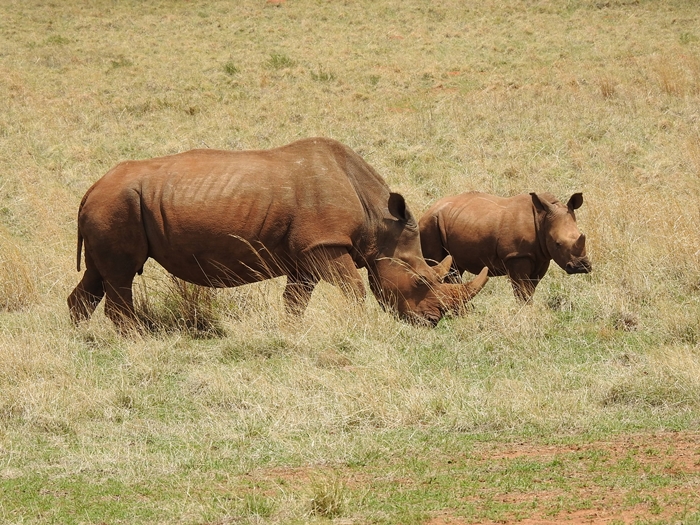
440,99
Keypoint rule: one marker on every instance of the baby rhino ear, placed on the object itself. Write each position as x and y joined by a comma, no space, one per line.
542,203
575,201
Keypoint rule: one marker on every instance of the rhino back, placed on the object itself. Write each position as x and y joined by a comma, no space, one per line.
219,217
486,230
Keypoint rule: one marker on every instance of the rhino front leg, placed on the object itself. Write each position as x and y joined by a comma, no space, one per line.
335,265
521,278
297,293
524,288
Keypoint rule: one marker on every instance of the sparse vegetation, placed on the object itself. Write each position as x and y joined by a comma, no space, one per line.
230,68
322,75
279,61
328,498
226,410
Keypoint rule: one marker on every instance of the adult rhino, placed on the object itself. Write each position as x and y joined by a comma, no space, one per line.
310,210
516,236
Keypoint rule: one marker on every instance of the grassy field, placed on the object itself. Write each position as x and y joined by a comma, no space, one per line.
584,406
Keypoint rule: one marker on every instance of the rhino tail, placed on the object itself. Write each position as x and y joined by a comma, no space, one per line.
80,247
80,234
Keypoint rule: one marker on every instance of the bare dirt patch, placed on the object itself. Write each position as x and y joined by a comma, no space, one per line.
632,478
682,449
641,477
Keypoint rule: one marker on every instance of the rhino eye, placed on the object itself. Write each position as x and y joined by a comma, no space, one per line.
421,280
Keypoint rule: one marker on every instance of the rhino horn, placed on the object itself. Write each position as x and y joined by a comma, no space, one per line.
580,243
443,268
457,296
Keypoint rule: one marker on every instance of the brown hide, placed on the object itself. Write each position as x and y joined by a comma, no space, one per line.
311,210
516,236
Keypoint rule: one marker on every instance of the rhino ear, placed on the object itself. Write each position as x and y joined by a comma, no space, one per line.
575,201
541,203
397,207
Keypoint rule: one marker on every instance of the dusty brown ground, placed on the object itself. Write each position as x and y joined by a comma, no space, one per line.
641,478
673,456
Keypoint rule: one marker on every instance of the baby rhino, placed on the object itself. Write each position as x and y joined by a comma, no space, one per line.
515,236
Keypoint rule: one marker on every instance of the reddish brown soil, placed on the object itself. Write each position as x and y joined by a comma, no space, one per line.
674,454
641,478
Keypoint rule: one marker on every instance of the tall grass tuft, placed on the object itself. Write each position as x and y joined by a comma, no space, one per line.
607,86
279,61
18,274
177,306
329,498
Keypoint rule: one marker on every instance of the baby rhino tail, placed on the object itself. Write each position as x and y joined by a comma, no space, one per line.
80,234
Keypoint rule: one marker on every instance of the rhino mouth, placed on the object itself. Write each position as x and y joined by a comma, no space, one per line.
425,319
582,266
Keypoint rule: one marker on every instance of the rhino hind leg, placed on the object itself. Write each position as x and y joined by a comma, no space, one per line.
119,253
118,271
86,295
119,302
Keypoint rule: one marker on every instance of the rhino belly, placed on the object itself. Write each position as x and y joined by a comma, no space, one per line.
472,232
221,264
472,255
218,250
475,265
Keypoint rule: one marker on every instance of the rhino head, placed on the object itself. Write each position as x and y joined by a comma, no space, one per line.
402,281
560,234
